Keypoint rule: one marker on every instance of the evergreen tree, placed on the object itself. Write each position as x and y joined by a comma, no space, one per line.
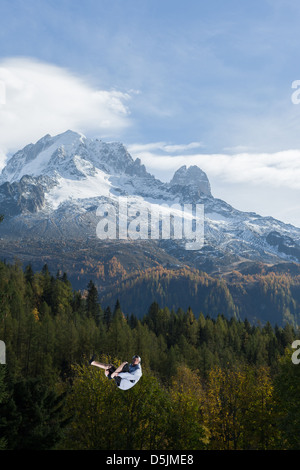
93,307
3,398
29,274
117,309
107,316
33,419
118,339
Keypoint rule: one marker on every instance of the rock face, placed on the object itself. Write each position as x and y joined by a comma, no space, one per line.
26,195
52,189
191,177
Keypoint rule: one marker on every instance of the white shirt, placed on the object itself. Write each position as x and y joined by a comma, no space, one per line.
129,379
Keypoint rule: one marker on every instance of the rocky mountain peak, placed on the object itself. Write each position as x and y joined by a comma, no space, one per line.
191,177
70,155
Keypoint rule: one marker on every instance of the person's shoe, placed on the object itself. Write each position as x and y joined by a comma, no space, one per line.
92,359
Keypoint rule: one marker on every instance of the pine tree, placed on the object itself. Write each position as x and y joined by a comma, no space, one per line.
93,307
107,316
29,274
117,309
34,418
3,399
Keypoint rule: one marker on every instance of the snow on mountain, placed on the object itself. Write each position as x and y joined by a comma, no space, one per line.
69,155
70,166
60,178
68,189
43,157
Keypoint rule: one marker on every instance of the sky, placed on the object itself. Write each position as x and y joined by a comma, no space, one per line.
208,83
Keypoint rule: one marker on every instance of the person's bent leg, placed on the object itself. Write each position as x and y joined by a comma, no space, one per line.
119,369
101,365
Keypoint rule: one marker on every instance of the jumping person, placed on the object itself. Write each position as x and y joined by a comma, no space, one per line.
126,375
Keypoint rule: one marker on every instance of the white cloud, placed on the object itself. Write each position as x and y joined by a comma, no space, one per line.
266,183
163,146
42,98
272,169
183,147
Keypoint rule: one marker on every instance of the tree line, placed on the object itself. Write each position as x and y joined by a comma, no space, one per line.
208,383
269,296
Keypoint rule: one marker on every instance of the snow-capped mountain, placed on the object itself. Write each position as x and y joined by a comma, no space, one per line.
52,190
71,156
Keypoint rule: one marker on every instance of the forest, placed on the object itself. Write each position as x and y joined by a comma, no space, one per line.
209,382
262,295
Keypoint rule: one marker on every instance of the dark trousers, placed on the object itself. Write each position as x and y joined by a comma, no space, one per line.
117,379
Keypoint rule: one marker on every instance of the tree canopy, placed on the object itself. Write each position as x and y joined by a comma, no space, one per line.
208,382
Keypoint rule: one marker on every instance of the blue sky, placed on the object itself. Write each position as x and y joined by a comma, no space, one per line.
216,75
